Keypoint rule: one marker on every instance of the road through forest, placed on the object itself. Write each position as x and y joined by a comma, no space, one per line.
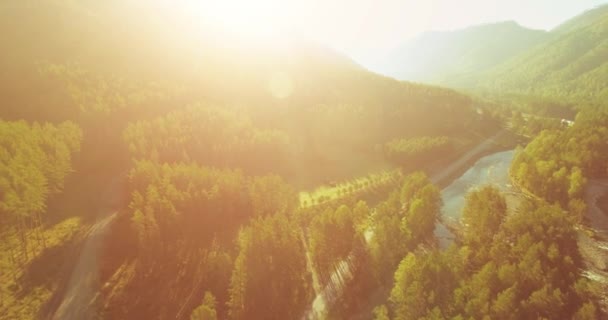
79,300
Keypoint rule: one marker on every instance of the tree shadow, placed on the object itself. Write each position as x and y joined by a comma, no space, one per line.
50,269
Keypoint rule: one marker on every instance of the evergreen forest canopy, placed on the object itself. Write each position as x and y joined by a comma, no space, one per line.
176,161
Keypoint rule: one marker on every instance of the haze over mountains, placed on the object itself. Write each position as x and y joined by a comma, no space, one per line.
569,61
437,57
126,61
155,166
571,64
150,88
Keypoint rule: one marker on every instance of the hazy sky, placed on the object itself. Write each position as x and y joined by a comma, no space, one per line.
367,28
369,25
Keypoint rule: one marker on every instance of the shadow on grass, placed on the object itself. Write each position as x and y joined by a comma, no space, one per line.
51,270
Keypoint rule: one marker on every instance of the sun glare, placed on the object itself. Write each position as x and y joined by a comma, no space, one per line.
250,18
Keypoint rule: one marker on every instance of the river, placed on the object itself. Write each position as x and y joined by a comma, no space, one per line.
489,170
494,170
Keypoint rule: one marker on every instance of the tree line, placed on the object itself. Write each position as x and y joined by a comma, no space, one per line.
180,226
35,159
556,164
521,265
208,135
416,151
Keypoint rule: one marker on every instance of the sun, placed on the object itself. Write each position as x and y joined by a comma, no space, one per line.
250,18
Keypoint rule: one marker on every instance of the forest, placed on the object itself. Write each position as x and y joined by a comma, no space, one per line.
149,171
556,164
417,150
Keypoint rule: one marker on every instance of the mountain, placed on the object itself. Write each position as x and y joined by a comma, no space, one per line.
212,128
442,57
108,64
571,66
582,20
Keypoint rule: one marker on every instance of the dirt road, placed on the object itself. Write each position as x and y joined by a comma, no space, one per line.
79,300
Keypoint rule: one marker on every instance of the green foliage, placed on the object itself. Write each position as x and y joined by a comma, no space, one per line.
352,190
423,212
448,58
404,221
28,285
333,236
556,164
206,311
531,125
421,285
187,201
569,66
208,135
270,195
416,151
530,270
484,212
388,244
189,214
381,313
174,242
34,161
269,272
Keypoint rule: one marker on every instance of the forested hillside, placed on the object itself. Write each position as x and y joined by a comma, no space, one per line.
449,57
519,266
294,92
536,70
35,160
555,166
215,136
570,67
153,166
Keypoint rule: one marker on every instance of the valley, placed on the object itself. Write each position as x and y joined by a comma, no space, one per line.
186,160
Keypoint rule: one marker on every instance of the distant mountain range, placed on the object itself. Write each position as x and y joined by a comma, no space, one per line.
568,63
437,57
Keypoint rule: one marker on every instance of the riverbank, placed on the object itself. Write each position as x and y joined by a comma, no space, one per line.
593,245
592,235
491,160
444,172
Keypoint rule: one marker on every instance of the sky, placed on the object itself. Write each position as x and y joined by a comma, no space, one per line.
367,28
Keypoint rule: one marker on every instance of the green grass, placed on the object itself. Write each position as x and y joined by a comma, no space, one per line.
382,176
27,286
327,193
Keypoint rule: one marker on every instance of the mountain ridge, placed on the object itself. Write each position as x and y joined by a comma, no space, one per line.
437,56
